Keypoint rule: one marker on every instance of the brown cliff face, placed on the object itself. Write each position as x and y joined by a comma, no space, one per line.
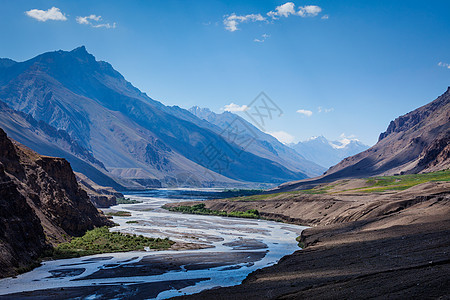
41,204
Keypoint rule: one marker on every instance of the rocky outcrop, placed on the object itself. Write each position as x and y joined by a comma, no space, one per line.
42,205
101,196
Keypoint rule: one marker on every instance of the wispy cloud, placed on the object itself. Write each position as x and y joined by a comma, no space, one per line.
94,21
262,39
232,107
320,109
86,20
309,11
325,17
305,112
53,14
444,65
232,21
282,136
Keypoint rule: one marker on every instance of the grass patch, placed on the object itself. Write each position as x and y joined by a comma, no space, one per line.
199,209
403,182
131,222
119,213
388,183
101,240
127,201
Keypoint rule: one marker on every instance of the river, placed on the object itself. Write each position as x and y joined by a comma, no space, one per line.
229,249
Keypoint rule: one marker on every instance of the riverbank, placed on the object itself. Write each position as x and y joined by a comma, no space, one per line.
390,243
227,250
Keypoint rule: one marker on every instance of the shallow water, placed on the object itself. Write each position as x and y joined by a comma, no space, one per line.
233,247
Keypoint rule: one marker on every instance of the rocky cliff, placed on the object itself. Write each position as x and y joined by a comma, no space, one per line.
41,205
417,142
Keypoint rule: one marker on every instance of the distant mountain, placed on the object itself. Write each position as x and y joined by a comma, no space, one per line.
258,142
416,142
328,153
139,141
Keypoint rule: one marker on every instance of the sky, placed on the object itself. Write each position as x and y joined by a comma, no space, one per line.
342,69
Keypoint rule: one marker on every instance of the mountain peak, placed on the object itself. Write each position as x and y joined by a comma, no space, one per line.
81,49
82,53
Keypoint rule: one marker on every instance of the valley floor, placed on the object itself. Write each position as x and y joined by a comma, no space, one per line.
393,244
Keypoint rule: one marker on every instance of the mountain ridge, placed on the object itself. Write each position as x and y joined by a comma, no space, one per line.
260,143
124,128
416,142
328,153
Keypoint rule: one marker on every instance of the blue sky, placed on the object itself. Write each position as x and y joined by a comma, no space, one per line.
349,67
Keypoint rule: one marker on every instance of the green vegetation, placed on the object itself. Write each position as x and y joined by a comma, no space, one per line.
386,183
199,209
319,190
101,240
403,182
119,213
131,222
126,201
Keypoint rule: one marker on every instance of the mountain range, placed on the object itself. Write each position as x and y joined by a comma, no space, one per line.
68,104
417,142
328,153
259,143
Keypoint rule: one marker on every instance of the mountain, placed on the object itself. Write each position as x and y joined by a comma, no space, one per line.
257,142
41,205
416,142
139,141
47,140
328,153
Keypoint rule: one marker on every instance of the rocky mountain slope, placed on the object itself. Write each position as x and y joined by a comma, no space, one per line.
137,139
41,204
257,142
47,140
328,153
416,142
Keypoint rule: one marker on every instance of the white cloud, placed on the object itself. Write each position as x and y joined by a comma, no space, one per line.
232,21
106,25
262,39
444,65
53,13
320,109
309,11
305,112
232,107
85,20
93,21
325,17
282,11
282,136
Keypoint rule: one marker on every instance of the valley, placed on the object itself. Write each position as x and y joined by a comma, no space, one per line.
223,251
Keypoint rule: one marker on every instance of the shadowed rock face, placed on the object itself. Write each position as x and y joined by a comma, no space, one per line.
40,202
